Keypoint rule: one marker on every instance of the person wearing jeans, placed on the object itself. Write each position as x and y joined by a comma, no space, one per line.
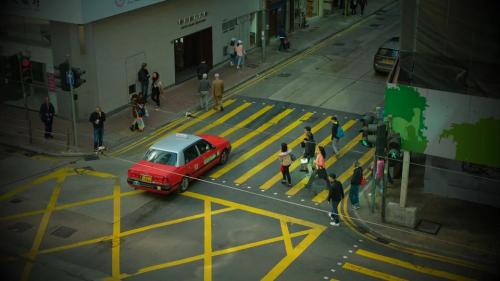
335,196
97,119
356,179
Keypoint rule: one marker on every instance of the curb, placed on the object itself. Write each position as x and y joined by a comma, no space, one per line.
126,141
364,228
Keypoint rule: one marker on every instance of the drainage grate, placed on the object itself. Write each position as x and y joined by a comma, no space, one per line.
382,240
20,227
88,168
63,232
284,75
91,157
380,18
428,227
15,200
339,44
252,65
374,25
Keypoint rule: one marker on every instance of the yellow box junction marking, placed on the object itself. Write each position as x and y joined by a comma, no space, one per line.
277,177
286,237
371,272
261,146
224,118
115,244
330,161
261,129
207,259
250,173
345,175
247,121
410,266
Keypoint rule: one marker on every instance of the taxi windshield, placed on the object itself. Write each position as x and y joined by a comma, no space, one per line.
161,157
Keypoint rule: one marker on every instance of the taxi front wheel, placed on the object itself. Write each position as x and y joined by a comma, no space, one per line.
223,157
184,184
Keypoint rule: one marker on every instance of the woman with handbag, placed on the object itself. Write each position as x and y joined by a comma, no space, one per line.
286,158
319,164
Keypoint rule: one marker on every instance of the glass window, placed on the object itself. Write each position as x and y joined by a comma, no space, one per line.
204,146
161,157
387,52
190,153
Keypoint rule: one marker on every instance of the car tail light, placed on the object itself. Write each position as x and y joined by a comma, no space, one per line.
158,179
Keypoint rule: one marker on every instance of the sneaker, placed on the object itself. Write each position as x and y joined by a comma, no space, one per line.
289,185
334,223
283,182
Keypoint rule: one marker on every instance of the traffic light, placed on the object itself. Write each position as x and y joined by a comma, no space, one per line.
78,79
63,71
381,139
394,146
26,71
369,129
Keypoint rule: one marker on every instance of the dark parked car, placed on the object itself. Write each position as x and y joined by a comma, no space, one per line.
386,56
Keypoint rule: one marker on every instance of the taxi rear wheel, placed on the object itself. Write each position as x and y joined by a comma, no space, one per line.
223,157
184,184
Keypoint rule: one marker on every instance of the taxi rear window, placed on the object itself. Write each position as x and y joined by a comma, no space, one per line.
161,157
387,52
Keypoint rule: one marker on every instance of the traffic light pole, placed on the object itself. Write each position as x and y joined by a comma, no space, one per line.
73,107
25,96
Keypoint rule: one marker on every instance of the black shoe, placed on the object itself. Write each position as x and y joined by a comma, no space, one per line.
283,182
131,128
222,109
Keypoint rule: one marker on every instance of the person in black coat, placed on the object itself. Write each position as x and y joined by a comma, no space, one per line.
97,119
143,77
309,146
356,179
335,196
47,113
202,68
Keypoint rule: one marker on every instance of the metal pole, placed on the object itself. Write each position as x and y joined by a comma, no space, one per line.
384,186
73,107
263,31
23,89
404,178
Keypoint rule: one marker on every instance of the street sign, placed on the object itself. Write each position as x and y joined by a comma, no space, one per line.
70,78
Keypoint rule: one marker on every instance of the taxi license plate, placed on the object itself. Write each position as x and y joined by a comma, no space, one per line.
387,61
146,178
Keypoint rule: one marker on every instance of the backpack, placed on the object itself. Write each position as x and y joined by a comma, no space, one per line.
340,132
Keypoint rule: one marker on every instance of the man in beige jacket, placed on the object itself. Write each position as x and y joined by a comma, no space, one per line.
217,91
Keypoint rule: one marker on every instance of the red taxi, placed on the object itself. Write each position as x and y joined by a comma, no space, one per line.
172,163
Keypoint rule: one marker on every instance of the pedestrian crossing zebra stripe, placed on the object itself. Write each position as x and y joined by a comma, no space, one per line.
276,178
247,121
231,165
224,118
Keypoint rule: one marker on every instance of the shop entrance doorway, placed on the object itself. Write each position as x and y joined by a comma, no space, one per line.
189,51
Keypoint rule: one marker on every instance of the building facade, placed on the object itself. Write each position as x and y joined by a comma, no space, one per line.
111,39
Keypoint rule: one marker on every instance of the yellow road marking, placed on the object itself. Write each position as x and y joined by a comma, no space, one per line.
261,146
330,161
147,141
115,244
254,210
69,205
289,258
250,173
345,175
286,237
410,266
416,252
41,230
214,254
261,129
130,232
207,253
247,121
224,118
371,272
161,130
272,181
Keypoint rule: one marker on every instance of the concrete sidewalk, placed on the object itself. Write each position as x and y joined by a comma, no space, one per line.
471,233
177,99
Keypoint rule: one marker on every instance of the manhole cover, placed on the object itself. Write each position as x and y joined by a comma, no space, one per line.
63,232
374,25
15,200
284,75
91,157
339,44
20,227
428,227
382,240
252,65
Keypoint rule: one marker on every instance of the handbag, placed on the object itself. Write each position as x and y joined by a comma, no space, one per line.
340,132
292,156
140,124
321,173
363,181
